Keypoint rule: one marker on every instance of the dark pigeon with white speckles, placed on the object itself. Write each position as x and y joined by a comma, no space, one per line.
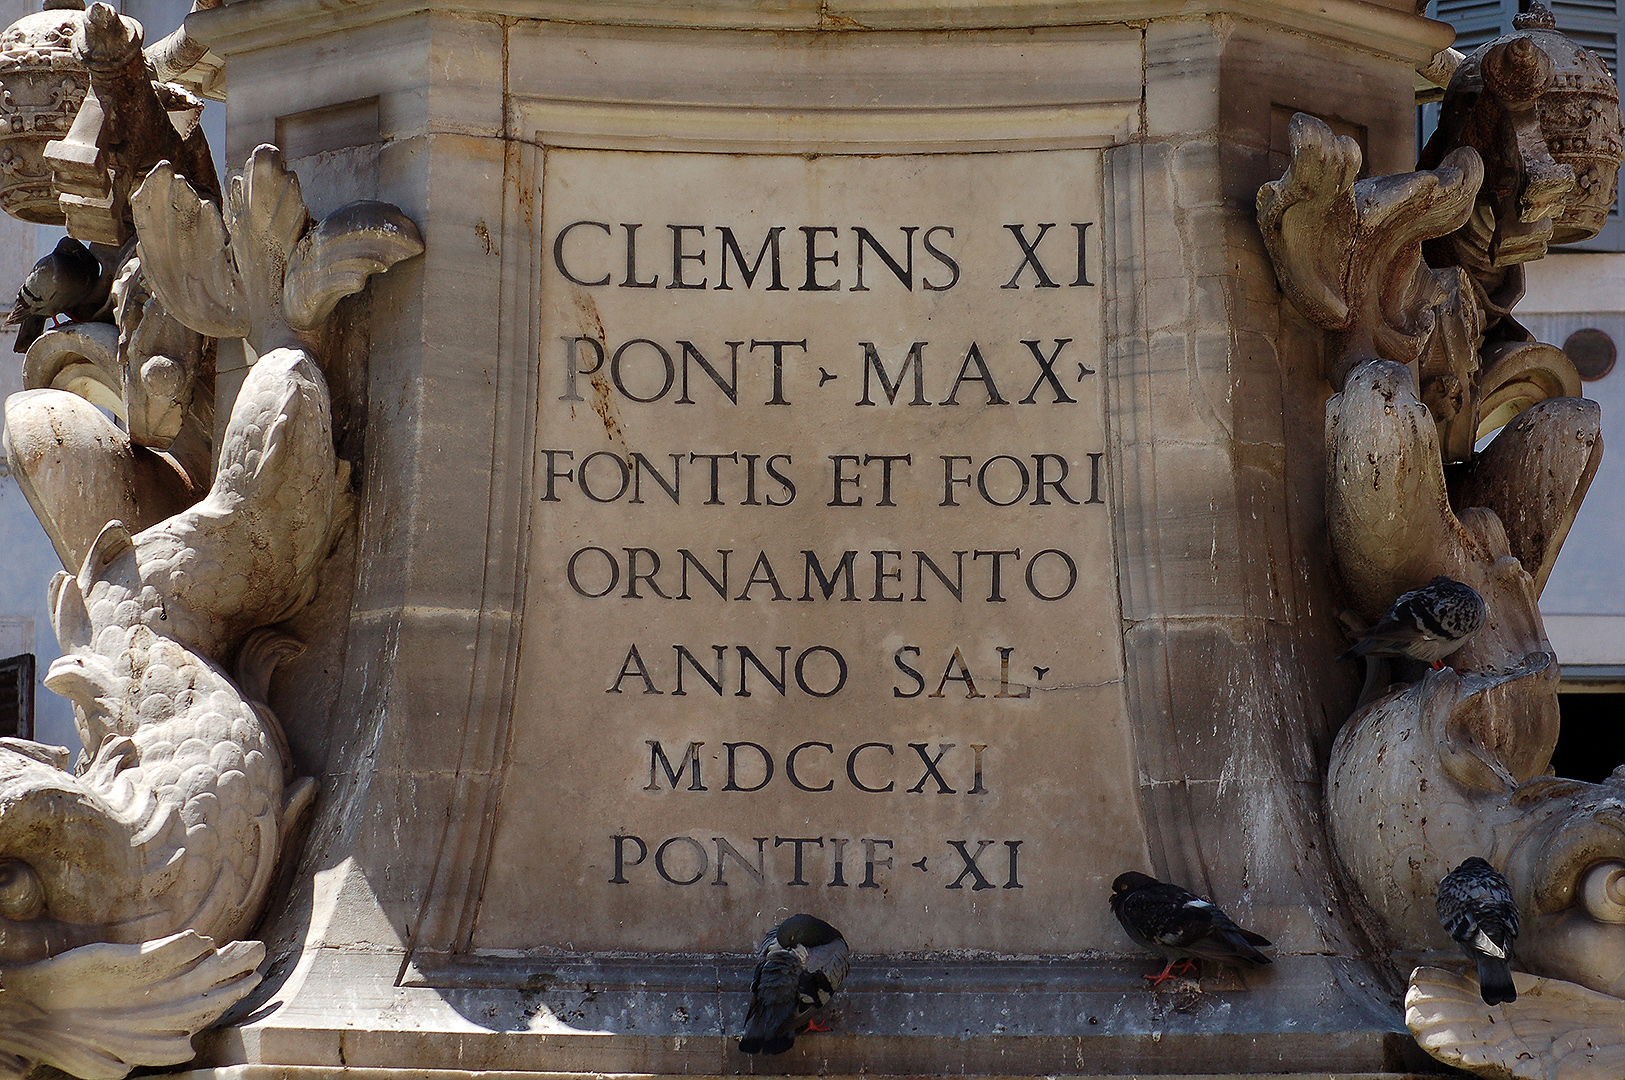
1425,624
1477,910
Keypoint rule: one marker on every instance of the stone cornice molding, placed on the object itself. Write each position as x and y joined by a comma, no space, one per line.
1385,31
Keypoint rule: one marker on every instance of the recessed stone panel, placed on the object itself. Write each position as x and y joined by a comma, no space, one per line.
822,608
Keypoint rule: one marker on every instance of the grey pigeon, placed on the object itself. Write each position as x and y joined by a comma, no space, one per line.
1425,624
1176,923
67,281
803,963
1477,910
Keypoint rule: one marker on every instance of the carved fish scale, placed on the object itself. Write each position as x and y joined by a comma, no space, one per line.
182,806
245,555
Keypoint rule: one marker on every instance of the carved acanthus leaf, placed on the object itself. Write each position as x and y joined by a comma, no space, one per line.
268,219
1315,198
100,1010
261,271
335,258
1349,253
185,257
1397,213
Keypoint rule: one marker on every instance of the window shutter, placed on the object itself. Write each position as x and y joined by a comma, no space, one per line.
1593,25
1477,22
17,696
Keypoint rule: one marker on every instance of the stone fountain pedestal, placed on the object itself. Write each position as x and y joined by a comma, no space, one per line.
851,458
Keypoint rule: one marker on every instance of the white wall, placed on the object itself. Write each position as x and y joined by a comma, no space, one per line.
1584,601
1567,293
27,559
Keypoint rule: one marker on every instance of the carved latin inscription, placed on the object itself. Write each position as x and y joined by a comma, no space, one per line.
822,597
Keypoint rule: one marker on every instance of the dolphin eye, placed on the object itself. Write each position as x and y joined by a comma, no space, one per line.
21,895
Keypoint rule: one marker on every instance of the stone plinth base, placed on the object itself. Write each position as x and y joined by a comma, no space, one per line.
320,1072
487,792
681,1016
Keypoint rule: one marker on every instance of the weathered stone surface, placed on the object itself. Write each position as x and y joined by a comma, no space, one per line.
454,715
1450,765
480,723
97,1011
881,538
1554,1031
126,883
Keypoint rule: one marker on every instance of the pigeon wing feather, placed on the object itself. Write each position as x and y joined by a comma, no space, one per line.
831,960
774,998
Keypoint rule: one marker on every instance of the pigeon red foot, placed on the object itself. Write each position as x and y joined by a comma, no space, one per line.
1181,926
817,1027
1186,966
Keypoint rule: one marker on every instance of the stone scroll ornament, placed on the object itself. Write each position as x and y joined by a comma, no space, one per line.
1415,277
128,884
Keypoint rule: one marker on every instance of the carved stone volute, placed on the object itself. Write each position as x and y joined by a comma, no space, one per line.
1349,252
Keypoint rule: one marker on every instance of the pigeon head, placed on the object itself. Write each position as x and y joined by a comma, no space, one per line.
1127,883
68,246
807,930
1473,863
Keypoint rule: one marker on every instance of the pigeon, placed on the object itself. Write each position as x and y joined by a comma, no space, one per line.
67,281
1180,925
803,963
1477,910
1425,624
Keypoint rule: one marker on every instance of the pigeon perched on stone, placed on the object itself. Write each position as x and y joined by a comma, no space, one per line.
1176,923
1425,624
65,282
1477,910
803,963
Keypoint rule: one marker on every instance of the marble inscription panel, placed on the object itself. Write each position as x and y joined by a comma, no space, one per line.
822,609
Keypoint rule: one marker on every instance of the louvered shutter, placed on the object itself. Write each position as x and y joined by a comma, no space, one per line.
1477,22
17,696
1592,24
